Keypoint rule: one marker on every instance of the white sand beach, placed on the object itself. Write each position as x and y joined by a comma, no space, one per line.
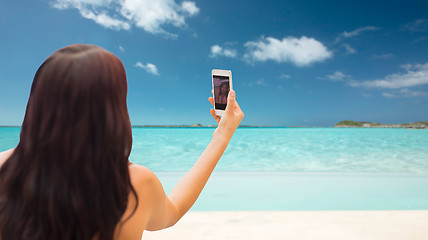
301,225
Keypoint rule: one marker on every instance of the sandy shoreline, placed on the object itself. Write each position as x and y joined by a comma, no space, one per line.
331,225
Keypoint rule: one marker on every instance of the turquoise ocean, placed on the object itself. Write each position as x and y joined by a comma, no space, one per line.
291,168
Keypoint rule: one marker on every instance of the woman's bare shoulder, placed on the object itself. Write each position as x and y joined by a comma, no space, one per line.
147,186
133,227
5,155
141,175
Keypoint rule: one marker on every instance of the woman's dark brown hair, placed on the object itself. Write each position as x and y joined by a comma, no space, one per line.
68,177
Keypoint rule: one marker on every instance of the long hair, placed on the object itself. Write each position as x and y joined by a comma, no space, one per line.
227,87
68,177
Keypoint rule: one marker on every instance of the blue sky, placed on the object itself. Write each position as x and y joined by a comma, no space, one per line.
310,63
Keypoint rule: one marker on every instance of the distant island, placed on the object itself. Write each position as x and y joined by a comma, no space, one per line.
354,124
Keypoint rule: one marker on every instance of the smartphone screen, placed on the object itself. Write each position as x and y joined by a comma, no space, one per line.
221,91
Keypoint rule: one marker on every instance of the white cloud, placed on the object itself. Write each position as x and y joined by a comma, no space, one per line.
64,4
338,76
190,8
419,25
404,93
229,43
149,67
122,49
217,51
349,49
105,20
299,51
356,32
259,82
284,76
420,39
122,14
415,75
407,66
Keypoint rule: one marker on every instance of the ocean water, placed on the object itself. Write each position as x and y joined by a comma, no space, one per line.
291,168
356,150
362,150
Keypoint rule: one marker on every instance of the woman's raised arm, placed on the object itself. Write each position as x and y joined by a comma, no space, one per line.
167,210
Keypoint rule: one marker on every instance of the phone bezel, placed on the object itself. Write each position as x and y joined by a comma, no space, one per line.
225,73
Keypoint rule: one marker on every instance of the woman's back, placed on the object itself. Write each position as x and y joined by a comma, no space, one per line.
133,222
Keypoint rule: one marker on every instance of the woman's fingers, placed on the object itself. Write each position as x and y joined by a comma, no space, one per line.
230,101
217,118
212,111
211,99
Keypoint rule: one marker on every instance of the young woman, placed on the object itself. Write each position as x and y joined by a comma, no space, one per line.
223,93
70,177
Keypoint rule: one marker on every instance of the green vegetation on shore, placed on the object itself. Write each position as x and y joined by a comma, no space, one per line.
348,123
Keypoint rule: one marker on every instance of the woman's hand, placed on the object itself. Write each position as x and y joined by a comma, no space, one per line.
232,116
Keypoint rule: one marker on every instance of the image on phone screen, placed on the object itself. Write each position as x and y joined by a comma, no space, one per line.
221,91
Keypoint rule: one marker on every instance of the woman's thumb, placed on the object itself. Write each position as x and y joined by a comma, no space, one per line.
231,100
